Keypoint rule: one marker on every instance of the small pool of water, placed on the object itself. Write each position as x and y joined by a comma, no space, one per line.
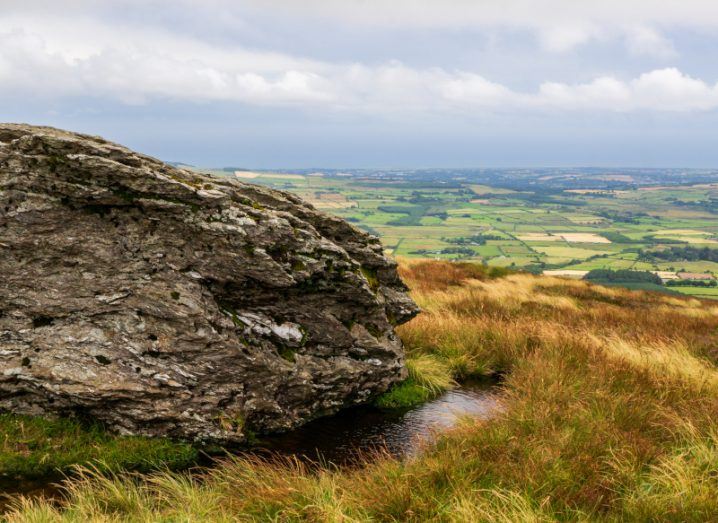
360,431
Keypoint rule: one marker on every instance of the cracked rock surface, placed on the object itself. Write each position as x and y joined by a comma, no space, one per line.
164,302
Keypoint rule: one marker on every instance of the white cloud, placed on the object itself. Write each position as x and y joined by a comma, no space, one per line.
605,93
671,90
472,88
132,63
560,25
645,41
563,38
135,64
505,13
659,90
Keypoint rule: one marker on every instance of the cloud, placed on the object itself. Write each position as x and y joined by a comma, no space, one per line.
566,37
134,63
645,41
560,25
506,13
659,90
472,88
671,90
138,64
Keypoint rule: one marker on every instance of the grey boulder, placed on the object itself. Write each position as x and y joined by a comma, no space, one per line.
164,302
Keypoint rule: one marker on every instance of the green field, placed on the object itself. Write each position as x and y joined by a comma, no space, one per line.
550,226
698,292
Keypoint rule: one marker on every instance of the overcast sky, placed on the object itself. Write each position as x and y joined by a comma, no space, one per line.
373,83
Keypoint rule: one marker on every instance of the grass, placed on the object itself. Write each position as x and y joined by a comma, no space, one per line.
405,395
34,447
430,371
433,372
609,413
429,376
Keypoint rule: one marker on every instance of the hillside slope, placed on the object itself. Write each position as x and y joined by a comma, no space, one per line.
610,412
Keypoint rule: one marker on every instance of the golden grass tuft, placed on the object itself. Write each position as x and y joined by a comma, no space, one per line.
682,485
430,372
664,362
437,275
498,506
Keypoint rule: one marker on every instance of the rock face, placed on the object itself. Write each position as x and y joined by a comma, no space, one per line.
164,302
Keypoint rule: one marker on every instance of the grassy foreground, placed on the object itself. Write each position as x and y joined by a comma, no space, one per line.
610,414
34,447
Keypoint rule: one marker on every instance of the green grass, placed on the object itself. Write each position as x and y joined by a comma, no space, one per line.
429,376
405,395
33,447
702,292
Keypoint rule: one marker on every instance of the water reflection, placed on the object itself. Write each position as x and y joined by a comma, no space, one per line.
340,439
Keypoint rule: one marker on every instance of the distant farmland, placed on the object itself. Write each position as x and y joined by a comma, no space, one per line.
540,222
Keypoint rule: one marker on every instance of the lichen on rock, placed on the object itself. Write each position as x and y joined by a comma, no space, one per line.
161,301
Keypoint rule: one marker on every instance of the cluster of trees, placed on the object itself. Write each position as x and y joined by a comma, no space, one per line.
687,253
622,276
692,283
710,204
413,213
629,276
665,241
623,217
546,197
476,239
617,237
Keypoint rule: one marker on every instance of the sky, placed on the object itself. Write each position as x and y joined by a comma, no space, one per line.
372,83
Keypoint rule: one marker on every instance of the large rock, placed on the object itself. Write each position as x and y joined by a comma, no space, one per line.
165,302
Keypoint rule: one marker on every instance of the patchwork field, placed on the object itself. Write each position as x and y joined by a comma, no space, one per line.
532,220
